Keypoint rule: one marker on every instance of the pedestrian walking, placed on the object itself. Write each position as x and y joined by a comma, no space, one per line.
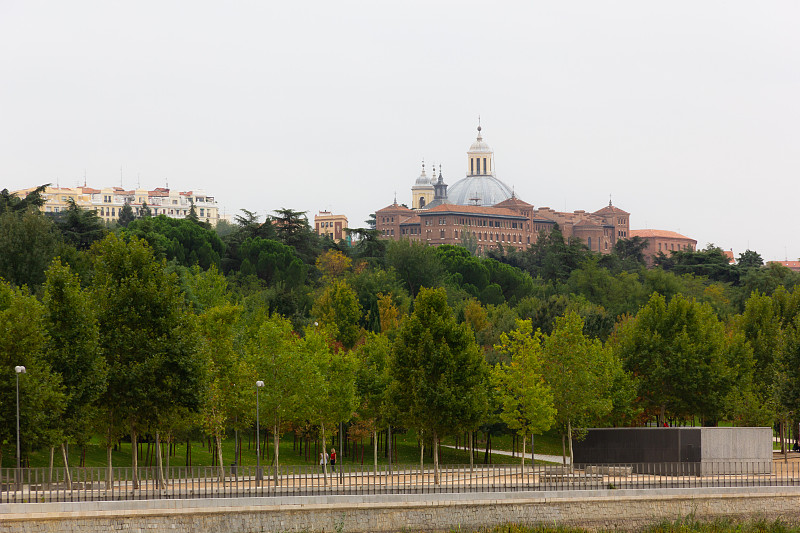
323,460
333,459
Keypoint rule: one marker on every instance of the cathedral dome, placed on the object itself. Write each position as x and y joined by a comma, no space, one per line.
481,190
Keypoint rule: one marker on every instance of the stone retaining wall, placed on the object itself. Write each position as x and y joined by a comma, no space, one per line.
432,512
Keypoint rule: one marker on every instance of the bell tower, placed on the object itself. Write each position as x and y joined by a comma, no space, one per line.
480,157
422,192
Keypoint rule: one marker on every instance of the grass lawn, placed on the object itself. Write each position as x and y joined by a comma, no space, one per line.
407,452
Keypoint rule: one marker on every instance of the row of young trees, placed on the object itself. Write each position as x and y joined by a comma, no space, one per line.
165,324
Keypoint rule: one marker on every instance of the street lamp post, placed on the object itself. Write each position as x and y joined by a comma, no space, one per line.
19,370
259,384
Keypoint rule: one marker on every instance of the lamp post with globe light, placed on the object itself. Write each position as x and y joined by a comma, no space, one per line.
259,384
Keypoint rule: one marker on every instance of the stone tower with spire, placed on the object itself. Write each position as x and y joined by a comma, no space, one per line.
423,191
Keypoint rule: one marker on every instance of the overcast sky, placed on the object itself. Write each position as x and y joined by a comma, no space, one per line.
686,112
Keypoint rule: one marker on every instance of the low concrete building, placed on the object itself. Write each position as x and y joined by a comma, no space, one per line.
684,450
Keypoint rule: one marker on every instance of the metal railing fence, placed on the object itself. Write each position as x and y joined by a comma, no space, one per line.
94,484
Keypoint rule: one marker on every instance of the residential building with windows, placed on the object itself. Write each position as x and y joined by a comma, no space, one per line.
330,225
108,202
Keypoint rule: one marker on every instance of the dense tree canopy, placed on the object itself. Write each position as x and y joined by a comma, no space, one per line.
173,320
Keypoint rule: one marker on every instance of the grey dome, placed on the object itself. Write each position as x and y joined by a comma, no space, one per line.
423,179
488,189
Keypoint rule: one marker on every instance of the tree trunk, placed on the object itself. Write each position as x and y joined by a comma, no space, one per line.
486,453
109,467
389,446
471,459
324,461
435,458
68,476
50,474
569,430
563,450
375,450
134,460
276,440
159,463
523,451
220,464
421,453
169,452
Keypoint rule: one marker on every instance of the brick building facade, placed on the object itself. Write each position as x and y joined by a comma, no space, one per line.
490,213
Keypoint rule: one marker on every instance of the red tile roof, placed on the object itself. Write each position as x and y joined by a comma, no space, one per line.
660,233
473,210
413,219
513,202
394,208
611,209
794,265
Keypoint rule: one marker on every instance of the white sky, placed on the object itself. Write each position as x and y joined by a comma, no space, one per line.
686,112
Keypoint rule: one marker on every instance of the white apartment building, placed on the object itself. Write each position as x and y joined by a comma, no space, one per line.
109,201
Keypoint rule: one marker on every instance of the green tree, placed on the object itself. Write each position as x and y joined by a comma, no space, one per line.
226,401
146,337
372,383
578,372
193,215
73,352
417,264
630,253
293,230
12,202
289,375
29,242
41,394
750,259
679,354
439,374
80,227
525,397
338,308
273,262
144,211
186,242
332,396
126,215
761,325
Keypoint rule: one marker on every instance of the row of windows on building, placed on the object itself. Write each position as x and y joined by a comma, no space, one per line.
589,244
112,211
479,222
326,224
671,247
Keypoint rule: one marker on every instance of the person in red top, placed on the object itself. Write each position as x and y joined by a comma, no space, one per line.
333,459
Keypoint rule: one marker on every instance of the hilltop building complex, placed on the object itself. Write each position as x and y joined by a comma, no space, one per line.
109,201
485,210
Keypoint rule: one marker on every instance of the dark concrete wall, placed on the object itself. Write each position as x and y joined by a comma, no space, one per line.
639,445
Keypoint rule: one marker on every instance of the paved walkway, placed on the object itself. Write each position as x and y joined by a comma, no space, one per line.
538,456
